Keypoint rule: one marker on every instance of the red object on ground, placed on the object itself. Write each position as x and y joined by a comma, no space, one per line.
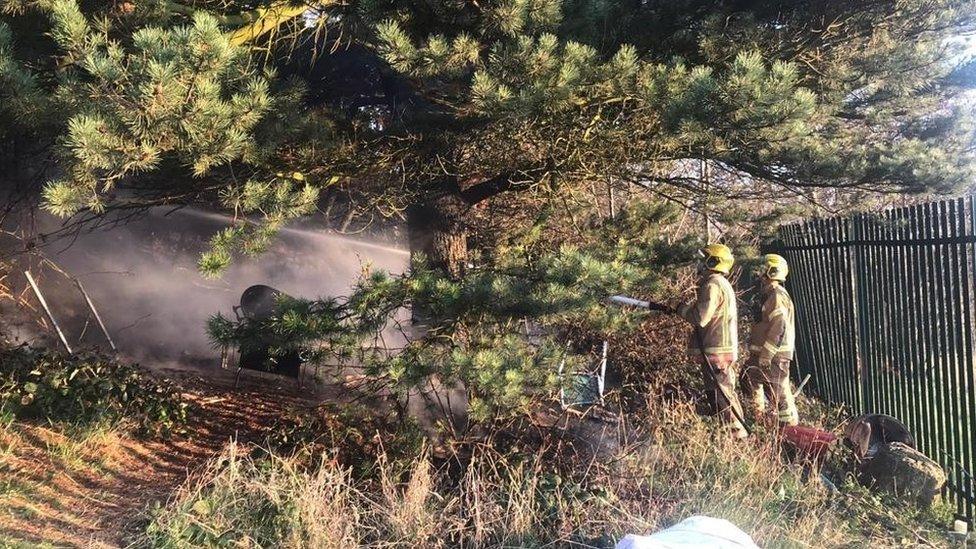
809,442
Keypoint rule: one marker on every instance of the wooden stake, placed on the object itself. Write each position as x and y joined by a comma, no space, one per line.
40,298
98,318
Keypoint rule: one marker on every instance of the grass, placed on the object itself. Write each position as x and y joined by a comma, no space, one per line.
10,542
44,474
484,497
85,448
351,478
237,501
242,502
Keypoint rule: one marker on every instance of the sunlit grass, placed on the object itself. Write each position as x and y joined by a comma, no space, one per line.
44,469
88,448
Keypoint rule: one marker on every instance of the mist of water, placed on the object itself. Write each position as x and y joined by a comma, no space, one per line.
143,277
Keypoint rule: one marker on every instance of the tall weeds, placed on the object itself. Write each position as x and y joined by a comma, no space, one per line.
240,502
678,466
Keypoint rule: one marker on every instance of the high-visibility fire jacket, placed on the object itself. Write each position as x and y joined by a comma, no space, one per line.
715,313
773,334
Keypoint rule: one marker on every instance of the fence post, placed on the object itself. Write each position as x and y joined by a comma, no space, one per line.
856,262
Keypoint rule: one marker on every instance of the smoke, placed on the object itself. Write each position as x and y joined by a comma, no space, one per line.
143,277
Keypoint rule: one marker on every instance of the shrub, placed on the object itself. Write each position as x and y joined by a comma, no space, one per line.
352,435
85,389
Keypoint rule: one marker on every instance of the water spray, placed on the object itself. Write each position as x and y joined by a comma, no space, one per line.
224,218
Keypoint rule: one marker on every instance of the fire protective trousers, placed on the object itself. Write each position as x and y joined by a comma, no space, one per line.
724,378
770,389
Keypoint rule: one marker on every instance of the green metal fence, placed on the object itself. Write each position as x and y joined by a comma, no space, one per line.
885,322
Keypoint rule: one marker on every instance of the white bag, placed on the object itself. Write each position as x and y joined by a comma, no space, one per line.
692,533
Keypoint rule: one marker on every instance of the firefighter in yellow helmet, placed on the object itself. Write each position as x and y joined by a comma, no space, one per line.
714,341
771,344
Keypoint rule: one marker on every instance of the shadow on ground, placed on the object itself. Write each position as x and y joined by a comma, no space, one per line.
91,490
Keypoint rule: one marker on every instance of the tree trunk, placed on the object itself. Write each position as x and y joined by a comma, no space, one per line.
437,225
437,230
449,250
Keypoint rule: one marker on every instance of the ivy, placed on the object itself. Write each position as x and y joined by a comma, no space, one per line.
86,389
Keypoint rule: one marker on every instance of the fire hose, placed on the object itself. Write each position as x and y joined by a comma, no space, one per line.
733,402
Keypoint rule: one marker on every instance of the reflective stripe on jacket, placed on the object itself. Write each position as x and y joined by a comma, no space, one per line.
774,334
715,313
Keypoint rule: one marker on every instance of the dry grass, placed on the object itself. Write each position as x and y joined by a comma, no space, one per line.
678,467
407,512
45,472
671,465
85,449
688,470
256,503
277,502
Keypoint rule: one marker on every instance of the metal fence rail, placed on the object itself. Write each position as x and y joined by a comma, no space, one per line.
885,322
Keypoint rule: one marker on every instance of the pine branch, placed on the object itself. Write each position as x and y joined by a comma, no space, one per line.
262,21
498,184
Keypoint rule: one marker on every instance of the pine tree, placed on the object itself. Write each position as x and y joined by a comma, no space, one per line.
522,105
148,107
526,96
475,335
543,96
20,98
182,92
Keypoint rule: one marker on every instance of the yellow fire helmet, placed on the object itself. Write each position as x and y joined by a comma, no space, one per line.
717,257
774,267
